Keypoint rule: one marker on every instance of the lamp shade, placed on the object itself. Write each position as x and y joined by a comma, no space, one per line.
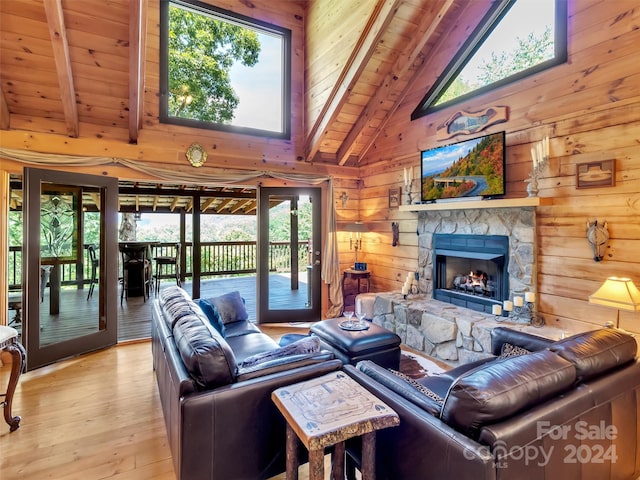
355,227
618,293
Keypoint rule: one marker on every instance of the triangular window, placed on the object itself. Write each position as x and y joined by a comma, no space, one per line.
516,38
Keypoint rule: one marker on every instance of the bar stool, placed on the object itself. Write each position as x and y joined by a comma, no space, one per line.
9,343
93,263
162,262
136,270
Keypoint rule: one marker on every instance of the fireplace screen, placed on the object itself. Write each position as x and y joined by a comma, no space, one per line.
471,270
479,279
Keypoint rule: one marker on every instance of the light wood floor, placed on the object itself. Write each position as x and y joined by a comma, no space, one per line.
97,416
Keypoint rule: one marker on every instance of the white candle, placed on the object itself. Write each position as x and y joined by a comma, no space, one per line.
546,147
405,290
530,297
496,310
507,305
405,176
518,301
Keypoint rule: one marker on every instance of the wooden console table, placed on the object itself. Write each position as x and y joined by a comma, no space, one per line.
326,411
9,343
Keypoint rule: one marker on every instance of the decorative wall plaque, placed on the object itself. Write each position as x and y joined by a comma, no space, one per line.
465,123
196,155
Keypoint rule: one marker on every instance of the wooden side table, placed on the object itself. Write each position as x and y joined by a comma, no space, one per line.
361,280
326,411
9,343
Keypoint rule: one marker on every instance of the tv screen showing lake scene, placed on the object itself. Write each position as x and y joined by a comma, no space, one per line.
465,169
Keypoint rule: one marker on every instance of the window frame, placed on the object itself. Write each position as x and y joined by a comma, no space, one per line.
491,19
234,17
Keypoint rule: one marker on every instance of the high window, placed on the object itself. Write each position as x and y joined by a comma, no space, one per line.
516,38
223,71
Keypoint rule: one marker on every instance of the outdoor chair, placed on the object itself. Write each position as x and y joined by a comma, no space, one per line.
93,263
163,262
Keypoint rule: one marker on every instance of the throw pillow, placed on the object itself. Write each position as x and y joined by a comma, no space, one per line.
418,386
509,350
230,307
303,346
212,314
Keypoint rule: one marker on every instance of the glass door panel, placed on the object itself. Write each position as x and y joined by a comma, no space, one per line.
289,254
69,288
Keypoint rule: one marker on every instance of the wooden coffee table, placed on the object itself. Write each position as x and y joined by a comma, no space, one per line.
326,411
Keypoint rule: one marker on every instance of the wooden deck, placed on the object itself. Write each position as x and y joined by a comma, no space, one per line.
77,315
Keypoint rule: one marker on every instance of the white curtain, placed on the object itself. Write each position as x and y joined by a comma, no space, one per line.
331,262
214,177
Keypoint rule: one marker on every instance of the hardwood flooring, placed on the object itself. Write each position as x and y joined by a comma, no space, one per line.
97,416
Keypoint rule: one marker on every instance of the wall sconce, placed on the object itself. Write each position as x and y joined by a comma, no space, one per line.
344,197
618,293
355,241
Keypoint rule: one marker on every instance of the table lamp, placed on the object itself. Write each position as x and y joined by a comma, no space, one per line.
618,293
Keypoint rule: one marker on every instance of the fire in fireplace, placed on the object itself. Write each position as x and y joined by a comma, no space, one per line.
471,270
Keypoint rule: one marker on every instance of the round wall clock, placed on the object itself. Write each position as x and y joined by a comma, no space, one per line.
196,155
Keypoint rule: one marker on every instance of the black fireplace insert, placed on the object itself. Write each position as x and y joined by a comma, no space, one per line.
470,271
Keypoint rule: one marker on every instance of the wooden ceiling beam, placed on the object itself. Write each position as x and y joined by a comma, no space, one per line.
363,50
137,35
5,116
406,62
58,34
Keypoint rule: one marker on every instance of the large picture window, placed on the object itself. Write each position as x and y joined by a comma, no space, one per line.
223,71
517,38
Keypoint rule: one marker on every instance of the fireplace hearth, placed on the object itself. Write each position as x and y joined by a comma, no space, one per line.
470,271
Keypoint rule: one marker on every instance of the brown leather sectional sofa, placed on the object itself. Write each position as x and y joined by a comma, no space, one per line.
221,422
556,410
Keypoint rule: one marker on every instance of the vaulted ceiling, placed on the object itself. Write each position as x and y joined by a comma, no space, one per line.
54,55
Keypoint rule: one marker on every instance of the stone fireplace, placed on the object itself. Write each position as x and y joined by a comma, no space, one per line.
492,254
516,226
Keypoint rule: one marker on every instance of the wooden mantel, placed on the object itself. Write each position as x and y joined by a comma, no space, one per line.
474,204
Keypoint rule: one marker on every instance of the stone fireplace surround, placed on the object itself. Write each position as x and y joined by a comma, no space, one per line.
445,331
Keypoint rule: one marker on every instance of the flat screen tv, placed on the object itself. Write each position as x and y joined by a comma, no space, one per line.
471,168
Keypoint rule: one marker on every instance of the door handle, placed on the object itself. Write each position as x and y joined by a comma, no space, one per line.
317,262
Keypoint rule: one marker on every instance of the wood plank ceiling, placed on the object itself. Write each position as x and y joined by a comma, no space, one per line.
54,55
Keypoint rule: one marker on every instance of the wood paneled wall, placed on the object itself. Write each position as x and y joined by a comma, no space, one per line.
590,109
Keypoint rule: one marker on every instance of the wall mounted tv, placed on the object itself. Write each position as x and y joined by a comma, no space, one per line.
471,168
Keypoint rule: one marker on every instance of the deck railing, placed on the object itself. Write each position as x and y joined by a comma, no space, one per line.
217,259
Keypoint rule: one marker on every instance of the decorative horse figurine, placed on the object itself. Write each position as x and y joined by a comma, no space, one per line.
598,237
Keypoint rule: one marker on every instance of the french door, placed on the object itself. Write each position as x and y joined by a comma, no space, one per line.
60,318
289,258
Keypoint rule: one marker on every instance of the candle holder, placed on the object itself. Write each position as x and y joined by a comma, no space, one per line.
407,189
540,158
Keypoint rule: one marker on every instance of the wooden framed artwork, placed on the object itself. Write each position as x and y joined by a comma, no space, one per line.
394,197
596,174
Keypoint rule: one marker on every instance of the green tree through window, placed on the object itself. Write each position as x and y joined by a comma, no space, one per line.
223,71
517,38
202,50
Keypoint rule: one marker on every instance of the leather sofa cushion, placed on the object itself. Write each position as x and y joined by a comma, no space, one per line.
596,351
204,352
499,389
176,304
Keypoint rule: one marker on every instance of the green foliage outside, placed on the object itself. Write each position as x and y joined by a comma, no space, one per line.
202,50
528,53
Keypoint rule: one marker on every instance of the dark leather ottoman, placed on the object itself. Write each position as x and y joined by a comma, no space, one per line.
377,344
